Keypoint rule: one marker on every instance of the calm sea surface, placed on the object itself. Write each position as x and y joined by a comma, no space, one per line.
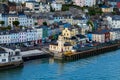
101,67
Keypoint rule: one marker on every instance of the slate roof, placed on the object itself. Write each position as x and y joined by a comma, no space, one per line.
2,50
67,44
101,32
116,17
80,36
54,43
104,6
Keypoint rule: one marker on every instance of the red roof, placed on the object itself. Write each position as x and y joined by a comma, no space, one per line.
118,4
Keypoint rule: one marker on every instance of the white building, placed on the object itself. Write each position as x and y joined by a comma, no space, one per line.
115,34
38,7
20,1
98,38
60,1
25,20
29,35
114,21
32,5
22,19
9,55
82,3
44,7
56,6
30,22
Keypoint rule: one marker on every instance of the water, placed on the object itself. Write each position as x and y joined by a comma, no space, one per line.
102,67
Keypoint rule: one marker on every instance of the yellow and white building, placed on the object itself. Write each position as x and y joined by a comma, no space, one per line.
68,33
12,18
60,46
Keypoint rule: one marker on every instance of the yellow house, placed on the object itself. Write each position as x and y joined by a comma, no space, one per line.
68,33
106,9
60,46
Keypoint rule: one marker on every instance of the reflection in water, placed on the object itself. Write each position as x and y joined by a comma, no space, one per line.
61,68
51,61
102,67
6,74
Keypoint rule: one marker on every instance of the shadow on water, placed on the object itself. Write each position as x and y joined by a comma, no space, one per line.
6,74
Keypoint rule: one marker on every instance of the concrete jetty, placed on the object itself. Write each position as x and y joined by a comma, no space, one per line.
34,54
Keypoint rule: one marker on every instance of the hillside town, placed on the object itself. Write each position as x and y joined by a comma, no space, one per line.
58,26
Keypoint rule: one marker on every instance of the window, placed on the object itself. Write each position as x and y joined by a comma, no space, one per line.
18,57
67,34
16,19
17,53
11,53
13,58
3,60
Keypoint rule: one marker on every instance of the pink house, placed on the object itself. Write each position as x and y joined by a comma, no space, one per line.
82,3
79,2
40,21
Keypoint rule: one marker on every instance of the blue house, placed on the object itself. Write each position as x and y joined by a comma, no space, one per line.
89,35
67,25
57,18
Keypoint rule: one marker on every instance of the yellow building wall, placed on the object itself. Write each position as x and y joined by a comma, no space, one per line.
66,33
55,48
69,33
106,9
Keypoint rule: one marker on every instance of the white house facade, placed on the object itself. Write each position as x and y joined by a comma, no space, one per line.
114,21
82,3
56,6
114,34
9,55
29,35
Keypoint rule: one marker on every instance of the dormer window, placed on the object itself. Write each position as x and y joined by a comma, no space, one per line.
17,53
11,53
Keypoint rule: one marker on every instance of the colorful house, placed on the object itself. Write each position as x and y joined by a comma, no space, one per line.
89,35
60,46
101,36
106,9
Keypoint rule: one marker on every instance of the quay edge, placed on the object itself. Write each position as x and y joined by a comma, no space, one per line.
33,57
87,53
11,65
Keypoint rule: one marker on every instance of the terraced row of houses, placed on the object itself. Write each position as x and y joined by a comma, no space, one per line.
22,18
34,35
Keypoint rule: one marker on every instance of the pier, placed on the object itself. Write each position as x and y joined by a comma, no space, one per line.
87,51
34,54
91,52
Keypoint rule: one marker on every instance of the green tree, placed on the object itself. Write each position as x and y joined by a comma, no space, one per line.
51,9
35,23
9,27
45,23
65,7
91,24
2,23
16,23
